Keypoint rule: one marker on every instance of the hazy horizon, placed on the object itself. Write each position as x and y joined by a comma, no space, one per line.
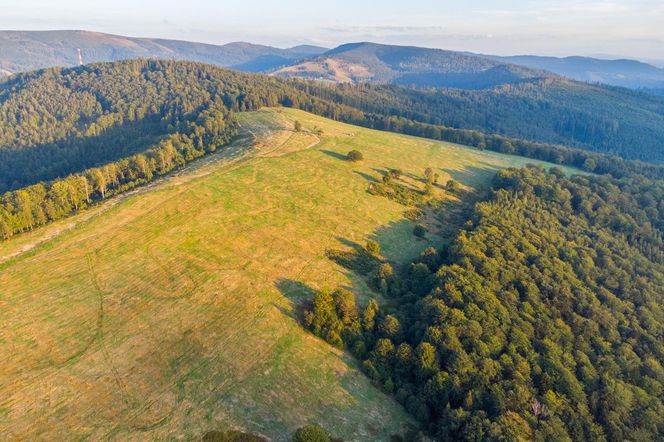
602,29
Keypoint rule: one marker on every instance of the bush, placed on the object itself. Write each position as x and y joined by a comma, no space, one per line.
298,126
419,230
354,155
453,185
372,247
311,433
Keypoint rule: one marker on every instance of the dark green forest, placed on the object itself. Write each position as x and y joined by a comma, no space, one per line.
542,320
605,119
56,122
72,137
69,137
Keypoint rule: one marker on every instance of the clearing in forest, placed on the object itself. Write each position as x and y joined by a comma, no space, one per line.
169,312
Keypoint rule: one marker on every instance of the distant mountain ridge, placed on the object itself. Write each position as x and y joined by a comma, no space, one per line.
22,51
408,65
621,72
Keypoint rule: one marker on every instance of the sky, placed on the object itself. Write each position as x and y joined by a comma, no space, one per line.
628,28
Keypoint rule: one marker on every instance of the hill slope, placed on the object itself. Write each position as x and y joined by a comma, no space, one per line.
626,73
22,51
169,312
553,110
371,62
61,121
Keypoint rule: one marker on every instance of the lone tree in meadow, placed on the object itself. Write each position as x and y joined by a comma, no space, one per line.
354,155
428,174
298,126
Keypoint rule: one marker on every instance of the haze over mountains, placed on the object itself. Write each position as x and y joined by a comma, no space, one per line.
354,62
626,73
408,65
22,51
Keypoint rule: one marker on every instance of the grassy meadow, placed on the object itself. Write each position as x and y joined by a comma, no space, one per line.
169,312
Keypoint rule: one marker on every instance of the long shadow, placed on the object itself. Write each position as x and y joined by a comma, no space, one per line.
366,176
298,293
351,379
471,175
347,242
294,290
380,171
414,177
395,237
337,155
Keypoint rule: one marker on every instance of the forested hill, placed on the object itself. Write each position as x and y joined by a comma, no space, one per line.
407,65
55,122
604,119
69,137
58,121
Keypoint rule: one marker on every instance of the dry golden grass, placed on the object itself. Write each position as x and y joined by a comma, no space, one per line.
168,312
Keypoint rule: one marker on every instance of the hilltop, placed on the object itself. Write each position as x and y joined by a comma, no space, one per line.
407,65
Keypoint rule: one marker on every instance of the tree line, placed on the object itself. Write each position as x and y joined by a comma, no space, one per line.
603,119
373,107
36,205
70,137
543,320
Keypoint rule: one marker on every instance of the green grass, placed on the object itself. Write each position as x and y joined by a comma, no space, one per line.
169,312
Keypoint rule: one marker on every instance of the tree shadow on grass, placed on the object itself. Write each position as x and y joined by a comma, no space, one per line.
414,177
333,154
347,242
367,177
294,290
353,382
399,247
379,170
298,293
471,175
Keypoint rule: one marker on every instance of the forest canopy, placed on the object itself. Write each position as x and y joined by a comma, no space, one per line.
543,319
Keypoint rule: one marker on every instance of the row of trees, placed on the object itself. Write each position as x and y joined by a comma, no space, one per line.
36,205
71,136
555,111
595,162
543,320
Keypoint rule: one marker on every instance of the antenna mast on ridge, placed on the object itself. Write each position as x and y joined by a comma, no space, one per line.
80,57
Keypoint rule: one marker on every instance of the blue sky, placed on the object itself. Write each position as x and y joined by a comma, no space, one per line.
633,28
